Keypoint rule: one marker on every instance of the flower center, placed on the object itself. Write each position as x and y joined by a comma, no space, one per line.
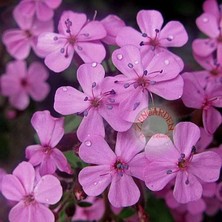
120,167
47,150
29,199
24,82
28,34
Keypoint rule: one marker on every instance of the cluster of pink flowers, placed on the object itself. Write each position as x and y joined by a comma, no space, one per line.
123,167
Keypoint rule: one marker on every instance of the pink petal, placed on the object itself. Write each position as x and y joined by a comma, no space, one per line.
88,74
12,188
123,191
78,21
48,165
185,136
21,19
204,141
49,129
170,200
95,150
156,176
87,126
30,213
61,161
137,166
86,51
18,45
40,27
26,175
128,145
196,207
7,81
93,30
211,119
95,179
170,90
219,53
26,8
129,36
131,107
34,154
43,11
173,34
207,23
206,166
19,101
191,84
204,47
128,61
58,61
163,67
113,24
149,21
53,4
184,192
37,74
209,189
20,213
48,190
159,145
211,6
68,100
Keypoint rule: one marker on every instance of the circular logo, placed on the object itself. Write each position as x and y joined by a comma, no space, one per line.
154,121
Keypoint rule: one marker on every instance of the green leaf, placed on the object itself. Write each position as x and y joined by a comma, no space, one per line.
157,210
126,212
73,160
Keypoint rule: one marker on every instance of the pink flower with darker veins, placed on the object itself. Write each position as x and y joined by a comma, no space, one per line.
18,83
114,169
200,94
45,155
180,161
210,23
43,9
32,196
152,37
19,41
76,34
141,76
97,101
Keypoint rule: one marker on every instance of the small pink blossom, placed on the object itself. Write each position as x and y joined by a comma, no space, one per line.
19,41
201,94
45,155
152,37
43,9
141,76
210,24
179,161
32,196
97,101
18,83
113,24
76,35
114,169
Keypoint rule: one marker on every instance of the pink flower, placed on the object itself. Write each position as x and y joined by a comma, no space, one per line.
18,83
43,9
210,24
91,213
32,196
97,101
200,94
45,155
113,24
179,160
141,76
114,169
152,36
19,41
76,34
